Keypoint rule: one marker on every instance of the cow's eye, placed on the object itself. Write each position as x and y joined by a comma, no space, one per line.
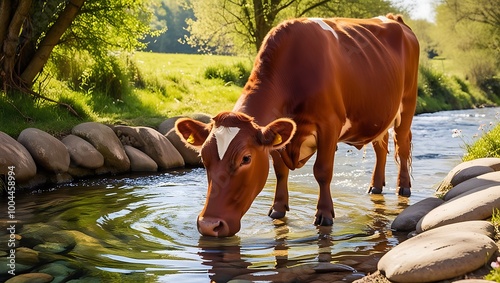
246,160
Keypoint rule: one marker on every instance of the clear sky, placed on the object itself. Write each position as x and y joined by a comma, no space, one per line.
419,9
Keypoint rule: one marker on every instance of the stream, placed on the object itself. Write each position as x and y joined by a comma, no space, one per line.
142,227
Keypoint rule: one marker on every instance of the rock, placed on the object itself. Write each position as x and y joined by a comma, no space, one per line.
59,270
167,127
12,153
436,255
61,178
477,226
31,278
467,170
191,157
107,143
159,148
43,237
474,206
169,124
47,151
129,136
26,256
409,217
488,179
79,172
53,248
324,267
82,153
139,161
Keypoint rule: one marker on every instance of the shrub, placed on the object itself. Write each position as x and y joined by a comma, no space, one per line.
237,73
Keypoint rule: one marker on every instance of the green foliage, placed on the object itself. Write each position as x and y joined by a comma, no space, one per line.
170,14
160,86
238,27
437,91
237,73
467,32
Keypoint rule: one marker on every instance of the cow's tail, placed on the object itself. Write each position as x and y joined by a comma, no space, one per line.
398,18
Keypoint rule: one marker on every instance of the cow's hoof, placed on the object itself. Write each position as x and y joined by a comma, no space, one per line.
404,192
276,214
323,221
374,190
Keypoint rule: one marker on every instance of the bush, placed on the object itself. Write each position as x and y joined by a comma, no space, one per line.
237,73
438,92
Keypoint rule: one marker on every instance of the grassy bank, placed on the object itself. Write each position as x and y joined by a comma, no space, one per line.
158,86
146,88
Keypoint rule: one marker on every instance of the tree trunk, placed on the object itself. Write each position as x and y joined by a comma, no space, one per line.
5,11
12,39
50,40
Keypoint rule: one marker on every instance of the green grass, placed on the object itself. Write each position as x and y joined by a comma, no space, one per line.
488,145
164,85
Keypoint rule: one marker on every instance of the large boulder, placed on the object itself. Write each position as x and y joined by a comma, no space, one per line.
82,153
154,144
104,139
488,179
12,153
167,127
441,253
467,170
47,151
474,206
407,220
139,161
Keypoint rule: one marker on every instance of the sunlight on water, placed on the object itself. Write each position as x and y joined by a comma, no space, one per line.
142,227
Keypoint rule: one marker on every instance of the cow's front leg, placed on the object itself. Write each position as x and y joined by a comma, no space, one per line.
378,177
280,204
323,172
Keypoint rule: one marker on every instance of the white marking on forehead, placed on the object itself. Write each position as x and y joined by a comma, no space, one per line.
224,136
384,19
325,26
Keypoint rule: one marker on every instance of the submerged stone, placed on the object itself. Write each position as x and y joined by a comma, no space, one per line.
36,277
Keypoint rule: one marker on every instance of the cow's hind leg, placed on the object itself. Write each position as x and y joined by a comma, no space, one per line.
402,141
378,177
280,204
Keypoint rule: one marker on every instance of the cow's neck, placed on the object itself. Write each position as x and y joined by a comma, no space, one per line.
264,104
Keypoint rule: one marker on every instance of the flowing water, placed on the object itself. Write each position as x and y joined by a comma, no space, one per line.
142,227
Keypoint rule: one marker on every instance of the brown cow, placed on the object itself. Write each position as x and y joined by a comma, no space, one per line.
315,82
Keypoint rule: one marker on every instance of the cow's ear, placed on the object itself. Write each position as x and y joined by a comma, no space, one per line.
278,133
192,132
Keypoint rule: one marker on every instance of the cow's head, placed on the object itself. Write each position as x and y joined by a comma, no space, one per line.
235,152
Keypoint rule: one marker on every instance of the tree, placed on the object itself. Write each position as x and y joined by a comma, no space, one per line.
468,31
229,26
171,14
31,30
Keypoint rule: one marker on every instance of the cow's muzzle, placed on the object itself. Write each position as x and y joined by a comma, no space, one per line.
215,227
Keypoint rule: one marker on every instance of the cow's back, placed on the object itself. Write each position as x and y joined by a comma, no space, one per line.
348,73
